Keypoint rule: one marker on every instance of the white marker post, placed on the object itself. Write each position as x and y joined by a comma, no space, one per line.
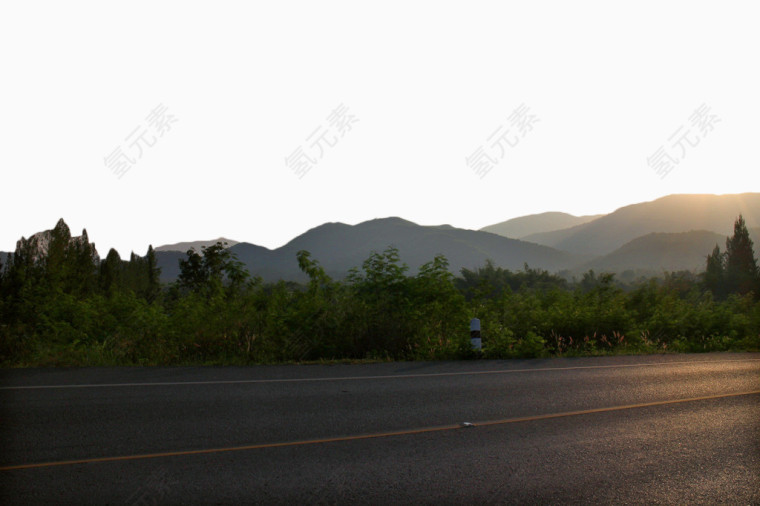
475,334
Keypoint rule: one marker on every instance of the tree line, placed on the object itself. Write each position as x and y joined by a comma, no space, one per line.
62,305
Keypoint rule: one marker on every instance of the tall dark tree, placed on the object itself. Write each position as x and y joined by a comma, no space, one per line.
55,259
13,280
154,284
3,288
111,269
82,266
714,276
134,277
741,265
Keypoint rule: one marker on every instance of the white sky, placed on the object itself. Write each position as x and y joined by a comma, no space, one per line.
427,82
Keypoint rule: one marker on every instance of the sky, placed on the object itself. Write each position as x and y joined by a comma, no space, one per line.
158,122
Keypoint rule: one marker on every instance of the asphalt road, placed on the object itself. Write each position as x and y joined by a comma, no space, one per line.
672,429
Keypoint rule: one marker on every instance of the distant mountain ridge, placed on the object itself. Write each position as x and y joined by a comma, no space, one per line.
673,233
674,213
196,245
656,253
524,226
661,251
339,247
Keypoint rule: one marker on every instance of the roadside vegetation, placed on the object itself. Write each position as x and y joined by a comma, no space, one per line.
68,308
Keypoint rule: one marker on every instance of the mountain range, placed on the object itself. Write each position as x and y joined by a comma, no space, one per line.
672,233
338,247
195,245
668,234
524,226
674,214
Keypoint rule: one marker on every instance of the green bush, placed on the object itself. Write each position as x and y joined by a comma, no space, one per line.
217,314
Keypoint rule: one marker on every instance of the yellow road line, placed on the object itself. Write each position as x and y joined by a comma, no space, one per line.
613,408
407,432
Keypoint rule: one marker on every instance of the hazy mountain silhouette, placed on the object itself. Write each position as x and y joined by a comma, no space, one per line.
672,233
659,252
168,260
674,213
196,245
523,226
339,247
656,253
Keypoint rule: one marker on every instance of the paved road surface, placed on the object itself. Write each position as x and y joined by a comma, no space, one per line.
672,429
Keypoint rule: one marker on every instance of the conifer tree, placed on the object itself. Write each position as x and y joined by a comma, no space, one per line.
153,275
82,266
714,276
741,265
56,256
110,278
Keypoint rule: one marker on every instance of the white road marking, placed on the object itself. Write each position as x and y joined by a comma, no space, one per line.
361,378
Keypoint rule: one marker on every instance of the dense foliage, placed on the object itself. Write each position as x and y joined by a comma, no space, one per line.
64,306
